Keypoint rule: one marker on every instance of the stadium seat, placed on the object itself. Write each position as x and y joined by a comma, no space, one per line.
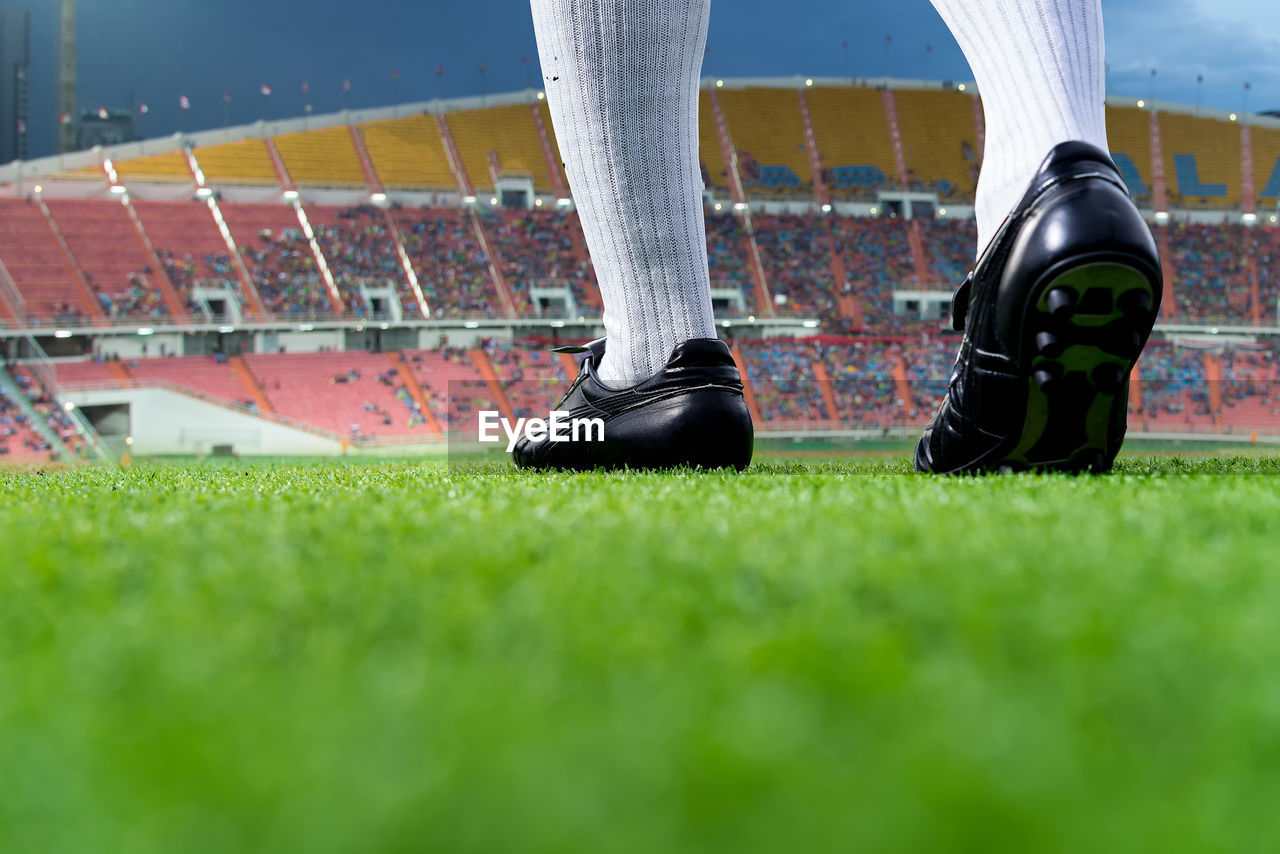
106,244
321,158
939,140
37,264
408,154
851,129
768,132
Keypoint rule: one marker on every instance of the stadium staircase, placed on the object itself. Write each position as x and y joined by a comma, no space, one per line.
33,246
177,305
549,155
730,155
103,239
1255,297
415,389
120,371
1160,198
900,381
250,384
820,374
366,164
748,391
283,178
979,129
1159,187
35,420
1135,388
322,264
1248,196
1213,373
12,305
467,189
485,368
820,192
919,261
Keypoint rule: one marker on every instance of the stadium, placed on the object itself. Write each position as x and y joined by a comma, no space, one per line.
314,286
263,590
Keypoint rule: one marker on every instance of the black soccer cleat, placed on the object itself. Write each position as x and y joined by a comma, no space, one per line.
691,413
1055,314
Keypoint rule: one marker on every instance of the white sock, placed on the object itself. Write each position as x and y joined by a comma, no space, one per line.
622,82
1040,67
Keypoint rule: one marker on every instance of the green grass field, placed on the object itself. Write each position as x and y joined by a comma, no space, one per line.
391,657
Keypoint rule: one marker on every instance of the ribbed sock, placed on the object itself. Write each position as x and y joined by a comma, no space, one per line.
621,78
1040,67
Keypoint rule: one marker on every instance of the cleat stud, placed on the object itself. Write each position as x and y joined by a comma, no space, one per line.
1045,380
1108,377
1095,462
1062,302
1133,343
1048,345
1135,304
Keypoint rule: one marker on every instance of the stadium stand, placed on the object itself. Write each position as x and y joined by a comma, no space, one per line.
727,255
951,247
853,135
360,252
38,266
452,268
19,442
408,154
768,132
1211,285
939,142
796,253
862,381
531,376
279,258
1129,138
715,172
1266,164
106,245
170,167
1201,161
877,260
191,249
787,390
48,409
358,395
321,158
537,249
507,132
243,162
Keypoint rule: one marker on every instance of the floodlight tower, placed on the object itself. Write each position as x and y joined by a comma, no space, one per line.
67,78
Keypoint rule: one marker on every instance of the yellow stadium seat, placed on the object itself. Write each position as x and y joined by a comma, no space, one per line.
171,167
1129,134
321,158
509,132
939,140
243,162
408,153
852,130
768,131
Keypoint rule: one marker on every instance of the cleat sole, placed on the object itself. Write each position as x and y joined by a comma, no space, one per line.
1082,333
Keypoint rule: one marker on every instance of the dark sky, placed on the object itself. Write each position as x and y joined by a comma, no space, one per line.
157,50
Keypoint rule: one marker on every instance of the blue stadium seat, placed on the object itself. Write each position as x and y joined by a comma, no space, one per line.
1129,172
1187,173
858,177
1272,189
774,177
